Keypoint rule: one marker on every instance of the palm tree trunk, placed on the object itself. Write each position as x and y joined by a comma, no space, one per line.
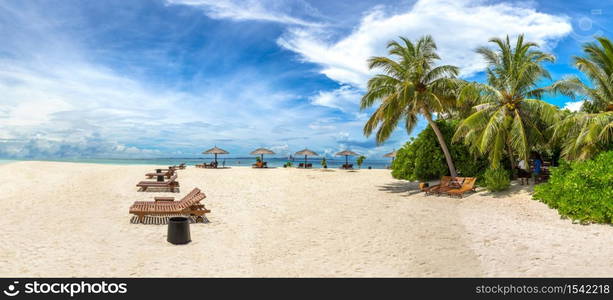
441,141
512,161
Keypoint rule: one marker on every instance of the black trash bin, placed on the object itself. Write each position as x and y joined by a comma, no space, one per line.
178,231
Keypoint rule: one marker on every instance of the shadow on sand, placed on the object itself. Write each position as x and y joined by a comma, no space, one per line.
401,187
513,190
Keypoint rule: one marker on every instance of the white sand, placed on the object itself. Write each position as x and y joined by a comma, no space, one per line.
67,219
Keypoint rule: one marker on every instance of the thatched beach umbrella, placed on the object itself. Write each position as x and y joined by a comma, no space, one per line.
306,152
391,154
347,153
261,152
216,151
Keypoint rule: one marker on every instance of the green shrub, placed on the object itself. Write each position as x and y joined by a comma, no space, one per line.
404,163
422,159
581,190
496,180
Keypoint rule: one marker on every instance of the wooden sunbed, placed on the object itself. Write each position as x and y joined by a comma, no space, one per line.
170,168
207,166
166,174
467,185
260,165
181,166
172,184
453,183
432,189
166,206
347,166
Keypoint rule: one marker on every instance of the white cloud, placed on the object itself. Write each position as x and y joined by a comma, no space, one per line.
573,105
458,27
259,10
56,100
345,98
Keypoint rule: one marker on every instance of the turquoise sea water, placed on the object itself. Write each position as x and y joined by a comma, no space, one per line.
229,161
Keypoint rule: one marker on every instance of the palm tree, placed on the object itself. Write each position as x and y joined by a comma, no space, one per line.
410,86
585,133
509,115
360,160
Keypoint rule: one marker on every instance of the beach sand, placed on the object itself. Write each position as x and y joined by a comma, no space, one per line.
70,219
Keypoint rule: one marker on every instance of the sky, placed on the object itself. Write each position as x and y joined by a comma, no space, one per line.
171,78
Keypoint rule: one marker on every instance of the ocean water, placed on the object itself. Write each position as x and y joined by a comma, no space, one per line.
6,161
335,162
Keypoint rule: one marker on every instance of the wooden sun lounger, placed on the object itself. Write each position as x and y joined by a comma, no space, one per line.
166,206
166,174
432,189
260,165
170,168
467,185
171,184
207,166
453,183
180,167
347,166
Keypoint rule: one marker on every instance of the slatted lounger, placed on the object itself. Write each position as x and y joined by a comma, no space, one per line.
171,184
166,206
432,189
166,174
467,185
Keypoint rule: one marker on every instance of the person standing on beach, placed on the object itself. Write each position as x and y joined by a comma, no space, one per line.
536,173
523,172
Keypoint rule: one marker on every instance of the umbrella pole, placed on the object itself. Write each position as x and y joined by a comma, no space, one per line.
346,160
305,161
215,158
262,158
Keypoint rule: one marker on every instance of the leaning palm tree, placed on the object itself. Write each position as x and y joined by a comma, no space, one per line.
509,116
585,133
410,85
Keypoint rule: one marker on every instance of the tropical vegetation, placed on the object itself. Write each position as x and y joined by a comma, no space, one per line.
581,190
496,179
360,160
410,85
590,131
509,116
421,158
483,128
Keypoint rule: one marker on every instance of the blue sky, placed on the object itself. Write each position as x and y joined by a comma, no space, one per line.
170,78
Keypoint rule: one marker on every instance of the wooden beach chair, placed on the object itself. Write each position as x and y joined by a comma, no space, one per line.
166,174
171,184
301,165
467,185
170,168
166,206
453,183
432,189
212,165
